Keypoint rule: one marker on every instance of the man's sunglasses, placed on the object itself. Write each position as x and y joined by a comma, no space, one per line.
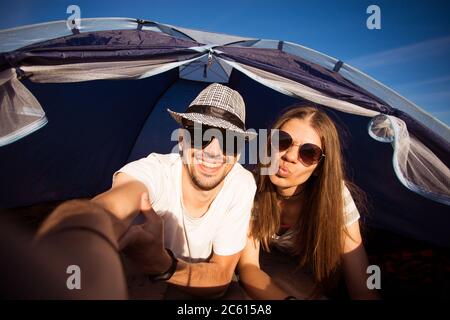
222,135
308,153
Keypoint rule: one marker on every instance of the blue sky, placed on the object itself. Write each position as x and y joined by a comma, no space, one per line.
411,52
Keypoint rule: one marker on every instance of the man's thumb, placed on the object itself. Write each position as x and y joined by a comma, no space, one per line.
147,210
145,202
129,237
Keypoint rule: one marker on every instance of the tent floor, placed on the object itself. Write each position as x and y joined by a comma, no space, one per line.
409,268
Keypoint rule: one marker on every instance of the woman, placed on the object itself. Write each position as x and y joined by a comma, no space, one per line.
305,211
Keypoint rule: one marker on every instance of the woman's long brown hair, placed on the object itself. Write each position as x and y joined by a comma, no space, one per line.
320,224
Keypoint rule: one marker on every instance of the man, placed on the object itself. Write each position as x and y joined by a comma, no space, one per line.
197,203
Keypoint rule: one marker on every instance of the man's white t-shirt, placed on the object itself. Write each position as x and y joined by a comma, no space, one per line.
222,229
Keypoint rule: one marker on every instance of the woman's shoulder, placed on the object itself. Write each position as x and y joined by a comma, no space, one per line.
351,213
346,194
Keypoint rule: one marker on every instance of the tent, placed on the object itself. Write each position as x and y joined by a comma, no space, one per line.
77,104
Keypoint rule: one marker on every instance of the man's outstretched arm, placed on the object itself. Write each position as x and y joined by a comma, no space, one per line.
79,234
124,198
206,278
143,244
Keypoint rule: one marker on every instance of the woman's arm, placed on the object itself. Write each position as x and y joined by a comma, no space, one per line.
355,263
256,282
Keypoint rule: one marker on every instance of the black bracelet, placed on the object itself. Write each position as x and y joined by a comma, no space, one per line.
169,273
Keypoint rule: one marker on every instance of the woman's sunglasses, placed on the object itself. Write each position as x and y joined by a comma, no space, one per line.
308,153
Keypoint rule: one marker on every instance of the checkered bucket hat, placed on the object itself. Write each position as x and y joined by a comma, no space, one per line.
217,106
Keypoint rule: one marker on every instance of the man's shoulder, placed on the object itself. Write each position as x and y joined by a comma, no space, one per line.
167,159
154,163
242,176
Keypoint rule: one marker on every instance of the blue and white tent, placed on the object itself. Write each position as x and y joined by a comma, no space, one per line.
77,104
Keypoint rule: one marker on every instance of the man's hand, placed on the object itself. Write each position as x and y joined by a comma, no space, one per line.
143,244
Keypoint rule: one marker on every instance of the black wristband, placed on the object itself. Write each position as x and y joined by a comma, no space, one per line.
169,273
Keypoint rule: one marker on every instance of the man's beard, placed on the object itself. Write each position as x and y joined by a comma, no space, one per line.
205,184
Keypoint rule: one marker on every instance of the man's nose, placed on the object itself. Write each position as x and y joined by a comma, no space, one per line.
214,149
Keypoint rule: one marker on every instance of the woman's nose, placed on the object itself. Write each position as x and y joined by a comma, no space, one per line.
291,154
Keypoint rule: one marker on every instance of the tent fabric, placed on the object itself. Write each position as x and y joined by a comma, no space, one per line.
159,131
81,57
296,89
102,46
97,125
77,72
217,39
392,98
413,162
208,69
294,49
12,39
417,167
364,81
20,112
305,72
92,127
15,38
86,56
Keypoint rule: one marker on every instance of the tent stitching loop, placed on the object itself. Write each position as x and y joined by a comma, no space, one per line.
208,64
338,66
21,74
141,23
280,45
75,31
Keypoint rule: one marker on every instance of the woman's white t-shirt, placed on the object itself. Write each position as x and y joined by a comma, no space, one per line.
285,242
